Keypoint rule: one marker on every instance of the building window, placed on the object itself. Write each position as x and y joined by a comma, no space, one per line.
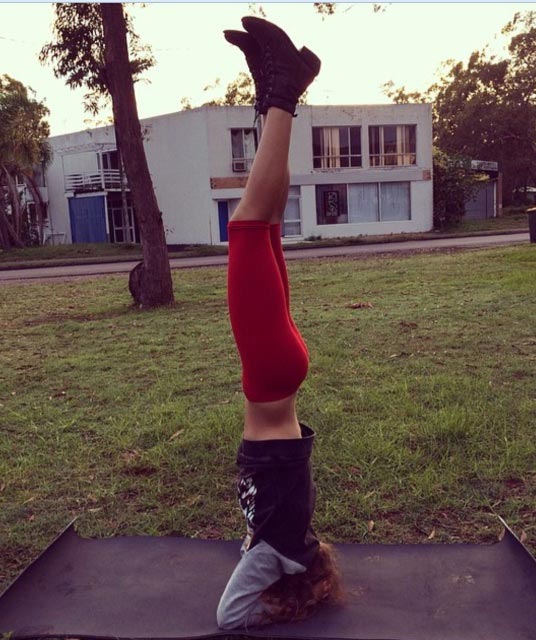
110,160
393,145
243,147
336,147
394,201
363,202
122,222
331,205
292,217
110,170
363,205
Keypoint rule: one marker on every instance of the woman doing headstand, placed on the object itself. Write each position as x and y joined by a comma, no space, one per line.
284,571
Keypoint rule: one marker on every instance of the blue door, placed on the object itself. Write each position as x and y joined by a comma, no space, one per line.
223,215
88,219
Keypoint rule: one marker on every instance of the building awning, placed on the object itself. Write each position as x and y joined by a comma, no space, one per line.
484,165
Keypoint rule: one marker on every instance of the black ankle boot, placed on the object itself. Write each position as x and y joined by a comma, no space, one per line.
286,71
248,45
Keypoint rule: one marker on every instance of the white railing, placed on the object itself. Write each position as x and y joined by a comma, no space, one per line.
337,162
105,179
393,159
54,238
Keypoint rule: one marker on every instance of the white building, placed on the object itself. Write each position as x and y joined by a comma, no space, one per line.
354,170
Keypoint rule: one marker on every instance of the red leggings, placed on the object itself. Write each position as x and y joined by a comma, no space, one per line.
273,354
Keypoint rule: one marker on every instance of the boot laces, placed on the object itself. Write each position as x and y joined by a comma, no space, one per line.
266,80
258,79
268,68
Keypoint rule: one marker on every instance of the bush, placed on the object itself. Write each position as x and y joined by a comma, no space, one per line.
454,183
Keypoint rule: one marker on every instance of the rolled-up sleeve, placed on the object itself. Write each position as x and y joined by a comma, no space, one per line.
240,605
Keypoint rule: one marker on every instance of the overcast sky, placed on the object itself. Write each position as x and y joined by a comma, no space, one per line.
360,49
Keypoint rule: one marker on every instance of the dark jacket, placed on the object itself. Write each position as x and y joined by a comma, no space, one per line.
277,494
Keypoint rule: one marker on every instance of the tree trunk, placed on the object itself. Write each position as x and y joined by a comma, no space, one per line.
4,242
124,203
16,210
39,205
9,237
4,236
155,283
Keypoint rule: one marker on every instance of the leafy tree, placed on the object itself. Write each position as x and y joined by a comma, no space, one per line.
486,108
454,184
239,92
522,94
185,104
23,145
256,9
399,95
522,49
325,8
96,47
77,51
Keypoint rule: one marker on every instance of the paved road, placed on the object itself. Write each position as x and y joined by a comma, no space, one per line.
89,270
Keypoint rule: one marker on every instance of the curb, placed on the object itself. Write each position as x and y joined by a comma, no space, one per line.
67,262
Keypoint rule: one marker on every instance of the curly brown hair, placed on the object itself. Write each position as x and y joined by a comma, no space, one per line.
297,596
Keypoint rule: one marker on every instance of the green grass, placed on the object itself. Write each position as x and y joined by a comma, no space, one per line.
424,404
91,253
514,219
80,251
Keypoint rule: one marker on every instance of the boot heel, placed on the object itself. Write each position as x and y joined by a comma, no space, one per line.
311,60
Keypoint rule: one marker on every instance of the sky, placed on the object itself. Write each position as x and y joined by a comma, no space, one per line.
360,50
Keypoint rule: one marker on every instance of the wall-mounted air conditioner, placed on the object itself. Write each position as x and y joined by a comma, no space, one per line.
239,166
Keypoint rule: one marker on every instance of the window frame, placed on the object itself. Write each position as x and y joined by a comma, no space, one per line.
381,156
243,158
295,196
333,161
345,200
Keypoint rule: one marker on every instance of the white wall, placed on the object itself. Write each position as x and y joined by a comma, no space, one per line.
186,149
220,121
177,153
76,152
419,176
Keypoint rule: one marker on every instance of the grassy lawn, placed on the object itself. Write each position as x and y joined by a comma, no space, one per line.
79,251
91,253
514,219
423,404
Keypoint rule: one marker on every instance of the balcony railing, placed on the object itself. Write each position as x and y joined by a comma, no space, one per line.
101,181
337,162
393,159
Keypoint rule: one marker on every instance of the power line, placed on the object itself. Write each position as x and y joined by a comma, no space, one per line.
18,41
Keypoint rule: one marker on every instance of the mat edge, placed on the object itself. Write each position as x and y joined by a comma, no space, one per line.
68,528
509,532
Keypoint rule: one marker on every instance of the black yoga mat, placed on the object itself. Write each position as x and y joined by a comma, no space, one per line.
146,587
